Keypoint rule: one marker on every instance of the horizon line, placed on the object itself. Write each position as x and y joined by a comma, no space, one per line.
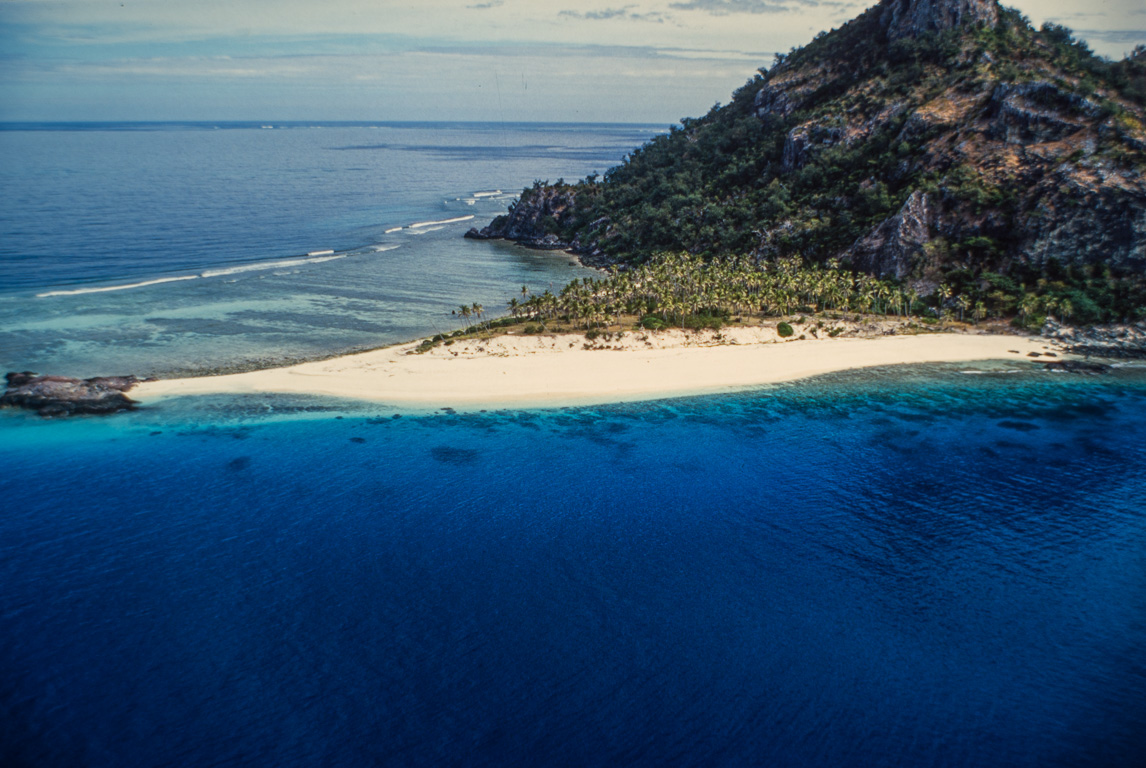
272,124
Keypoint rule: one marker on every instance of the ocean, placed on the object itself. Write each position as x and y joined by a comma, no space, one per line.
917,566
164,249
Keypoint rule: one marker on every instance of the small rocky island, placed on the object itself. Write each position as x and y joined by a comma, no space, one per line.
63,396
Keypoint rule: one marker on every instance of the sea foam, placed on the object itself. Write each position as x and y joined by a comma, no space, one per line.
105,289
257,267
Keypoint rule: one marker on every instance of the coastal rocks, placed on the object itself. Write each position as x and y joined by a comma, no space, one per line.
913,18
1078,366
1109,341
533,221
892,248
62,396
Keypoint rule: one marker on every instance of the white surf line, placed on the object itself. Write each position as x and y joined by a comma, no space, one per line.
316,257
494,193
257,267
108,288
422,224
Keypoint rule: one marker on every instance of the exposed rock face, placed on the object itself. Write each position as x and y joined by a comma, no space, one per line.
62,396
912,18
892,248
784,95
805,139
1086,216
1026,113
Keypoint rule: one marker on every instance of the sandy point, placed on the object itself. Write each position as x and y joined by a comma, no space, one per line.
552,370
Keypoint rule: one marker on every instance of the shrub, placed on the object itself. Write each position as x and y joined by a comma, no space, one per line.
593,334
653,323
698,322
784,330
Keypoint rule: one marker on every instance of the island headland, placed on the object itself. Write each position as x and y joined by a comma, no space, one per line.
936,143
931,165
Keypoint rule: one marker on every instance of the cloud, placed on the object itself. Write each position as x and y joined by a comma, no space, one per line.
727,7
1113,35
485,6
616,13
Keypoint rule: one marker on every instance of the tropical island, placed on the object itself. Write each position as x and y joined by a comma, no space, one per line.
936,178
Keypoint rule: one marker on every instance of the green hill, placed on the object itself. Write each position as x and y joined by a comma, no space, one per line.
926,142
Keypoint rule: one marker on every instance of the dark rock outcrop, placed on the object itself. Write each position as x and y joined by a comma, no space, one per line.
783,95
533,219
804,140
892,248
1086,216
1079,366
914,18
1027,113
63,396
1109,341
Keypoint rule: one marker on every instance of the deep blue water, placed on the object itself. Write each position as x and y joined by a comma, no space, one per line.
937,566
903,567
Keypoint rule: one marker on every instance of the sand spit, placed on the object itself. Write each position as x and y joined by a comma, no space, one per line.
551,370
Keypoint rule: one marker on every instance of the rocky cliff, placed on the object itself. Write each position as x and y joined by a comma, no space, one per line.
932,141
915,18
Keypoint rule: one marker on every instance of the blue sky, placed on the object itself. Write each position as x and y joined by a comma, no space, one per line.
517,60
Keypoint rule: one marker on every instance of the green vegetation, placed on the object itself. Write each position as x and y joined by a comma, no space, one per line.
684,291
841,155
784,330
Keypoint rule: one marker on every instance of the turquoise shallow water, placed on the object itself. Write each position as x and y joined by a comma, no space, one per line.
917,567
226,215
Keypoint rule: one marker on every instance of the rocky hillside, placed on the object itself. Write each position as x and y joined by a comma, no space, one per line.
937,142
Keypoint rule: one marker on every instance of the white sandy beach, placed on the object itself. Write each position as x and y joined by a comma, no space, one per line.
538,371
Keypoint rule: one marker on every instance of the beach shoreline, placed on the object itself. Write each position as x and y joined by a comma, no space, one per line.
532,371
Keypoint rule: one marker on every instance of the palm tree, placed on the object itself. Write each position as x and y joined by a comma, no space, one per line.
962,302
944,293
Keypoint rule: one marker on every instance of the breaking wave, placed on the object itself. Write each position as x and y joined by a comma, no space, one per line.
105,289
222,272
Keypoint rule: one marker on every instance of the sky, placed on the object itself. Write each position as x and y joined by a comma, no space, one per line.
644,61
